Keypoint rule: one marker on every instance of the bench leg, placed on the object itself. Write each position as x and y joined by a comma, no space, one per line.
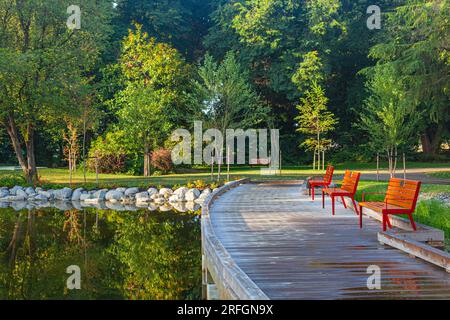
384,221
312,188
388,222
323,199
354,206
343,202
360,216
332,205
413,224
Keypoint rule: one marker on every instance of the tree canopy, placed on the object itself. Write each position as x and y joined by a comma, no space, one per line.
64,92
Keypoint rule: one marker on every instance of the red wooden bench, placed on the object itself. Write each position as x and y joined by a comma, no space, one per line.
401,198
347,189
324,182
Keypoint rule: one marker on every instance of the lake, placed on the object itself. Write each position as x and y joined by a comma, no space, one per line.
135,255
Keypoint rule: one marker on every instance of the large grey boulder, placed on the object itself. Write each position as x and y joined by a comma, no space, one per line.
4,193
142,197
85,196
63,194
205,193
192,206
180,206
19,205
131,192
100,194
152,191
77,194
30,191
114,195
181,191
166,192
176,198
13,190
48,194
21,193
160,200
156,196
40,198
192,194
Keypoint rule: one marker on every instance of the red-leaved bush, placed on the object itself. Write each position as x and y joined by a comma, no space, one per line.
162,160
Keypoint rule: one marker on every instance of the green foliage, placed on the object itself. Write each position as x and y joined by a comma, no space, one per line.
45,68
225,97
161,256
310,71
182,23
122,255
388,118
414,51
152,101
12,179
314,119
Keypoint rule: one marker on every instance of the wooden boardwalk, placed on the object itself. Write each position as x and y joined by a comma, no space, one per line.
291,248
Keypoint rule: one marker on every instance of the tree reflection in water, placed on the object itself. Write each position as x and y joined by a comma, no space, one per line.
122,255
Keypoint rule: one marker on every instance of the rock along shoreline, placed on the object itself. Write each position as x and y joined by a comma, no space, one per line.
182,199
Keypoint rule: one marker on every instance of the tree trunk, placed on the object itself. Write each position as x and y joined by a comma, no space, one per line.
27,162
31,175
13,133
147,156
395,162
431,139
314,160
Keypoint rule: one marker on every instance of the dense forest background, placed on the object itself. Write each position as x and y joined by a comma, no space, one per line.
138,69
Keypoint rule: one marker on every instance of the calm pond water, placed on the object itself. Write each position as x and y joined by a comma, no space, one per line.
121,254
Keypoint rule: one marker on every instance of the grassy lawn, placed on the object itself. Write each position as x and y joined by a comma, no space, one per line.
60,177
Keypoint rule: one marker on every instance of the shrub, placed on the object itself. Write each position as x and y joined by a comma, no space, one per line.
12,179
161,159
108,153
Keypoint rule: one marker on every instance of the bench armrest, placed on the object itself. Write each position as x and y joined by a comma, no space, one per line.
364,194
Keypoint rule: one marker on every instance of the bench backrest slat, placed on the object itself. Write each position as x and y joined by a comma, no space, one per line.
350,182
403,193
328,174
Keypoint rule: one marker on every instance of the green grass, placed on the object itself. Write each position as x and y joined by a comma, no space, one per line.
60,177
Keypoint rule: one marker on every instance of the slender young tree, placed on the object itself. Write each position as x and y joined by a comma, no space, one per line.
226,98
315,121
388,118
